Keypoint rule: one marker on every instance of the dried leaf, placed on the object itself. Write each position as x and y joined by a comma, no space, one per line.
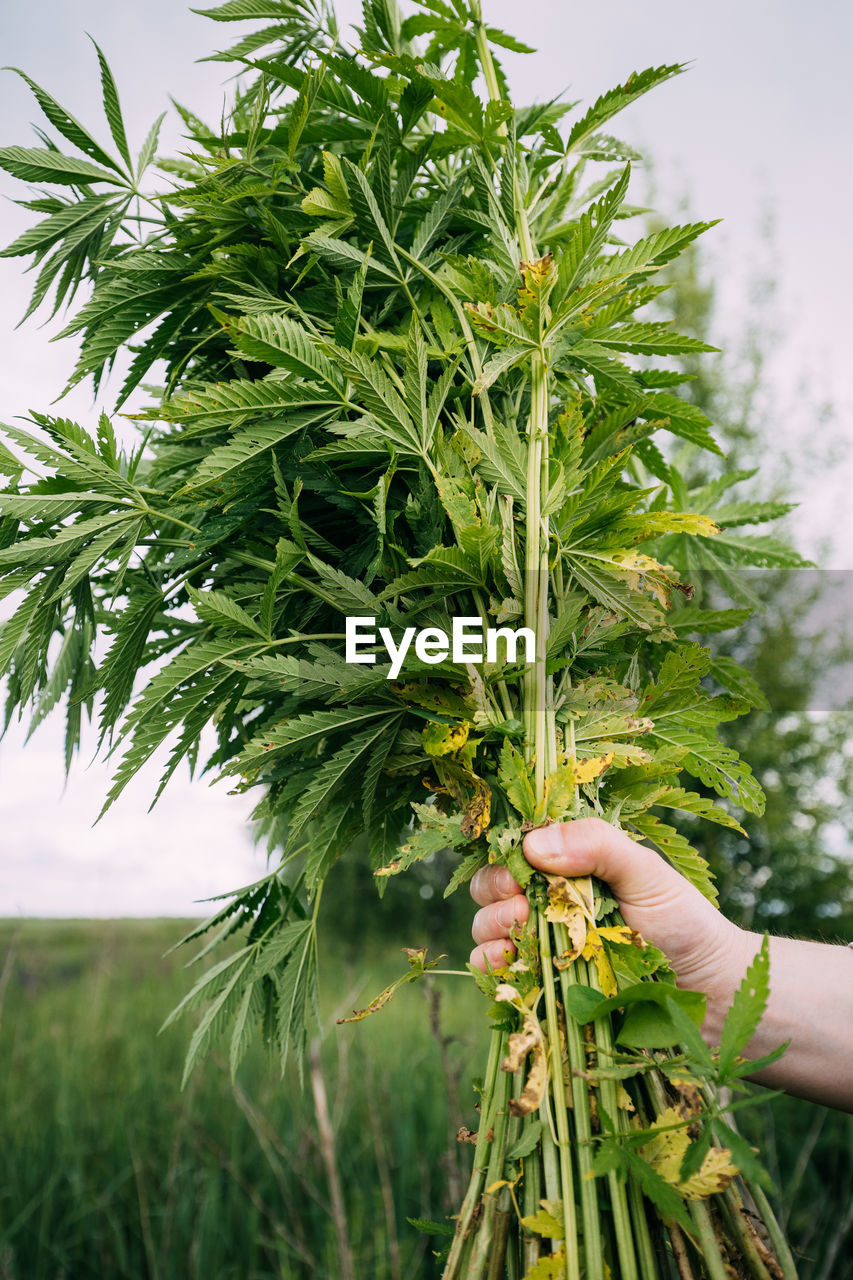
576,927
477,811
528,1041
534,1089
565,892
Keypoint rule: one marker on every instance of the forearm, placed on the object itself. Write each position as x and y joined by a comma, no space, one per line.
811,1004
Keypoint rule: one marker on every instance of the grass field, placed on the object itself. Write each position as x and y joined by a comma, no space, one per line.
109,1172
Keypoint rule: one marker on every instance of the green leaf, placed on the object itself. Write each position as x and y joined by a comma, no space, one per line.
429,1228
692,802
516,781
747,1008
328,779
221,610
70,128
237,10
677,849
72,223
304,731
31,164
281,342
149,146
614,101
248,444
435,831
527,1143
112,107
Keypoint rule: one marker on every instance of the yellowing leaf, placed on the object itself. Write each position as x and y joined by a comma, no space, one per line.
443,739
545,1224
553,1268
575,921
377,1003
623,1098
418,965
567,892
713,1175
665,1152
642,573
621,933
594,951
560,795
588,770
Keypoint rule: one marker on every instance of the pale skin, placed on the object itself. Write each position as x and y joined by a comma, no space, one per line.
811,983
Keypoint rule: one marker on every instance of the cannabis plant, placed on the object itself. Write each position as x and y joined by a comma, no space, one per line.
410,388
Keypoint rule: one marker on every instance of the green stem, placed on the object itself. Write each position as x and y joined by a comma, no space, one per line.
488,1222
783,1253
531,1191
711,1254
473,350
500,1243
564,1139
478,1174
618,1190
731,1207
583,1127
500,685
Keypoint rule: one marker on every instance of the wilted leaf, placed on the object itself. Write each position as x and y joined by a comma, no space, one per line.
666,1151
444,739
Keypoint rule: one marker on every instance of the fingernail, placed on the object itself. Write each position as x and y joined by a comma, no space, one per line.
505,880
506,915
544,842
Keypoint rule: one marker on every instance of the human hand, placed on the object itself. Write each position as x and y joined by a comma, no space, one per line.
707,952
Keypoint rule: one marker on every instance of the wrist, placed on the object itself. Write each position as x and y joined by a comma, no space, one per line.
737,950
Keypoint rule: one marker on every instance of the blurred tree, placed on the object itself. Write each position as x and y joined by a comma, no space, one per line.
793,874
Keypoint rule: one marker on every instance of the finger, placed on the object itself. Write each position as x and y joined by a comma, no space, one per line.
590,846
497,953
496,920
491,884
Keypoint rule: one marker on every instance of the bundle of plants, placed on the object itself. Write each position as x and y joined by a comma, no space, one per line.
404,528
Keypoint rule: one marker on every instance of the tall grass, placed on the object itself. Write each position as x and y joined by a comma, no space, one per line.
109,1172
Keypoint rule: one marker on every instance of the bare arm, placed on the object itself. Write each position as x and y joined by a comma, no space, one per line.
811,983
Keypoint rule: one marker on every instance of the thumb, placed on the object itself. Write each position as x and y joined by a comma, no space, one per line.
589,846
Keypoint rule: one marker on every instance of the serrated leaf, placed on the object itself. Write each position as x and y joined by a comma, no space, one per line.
223,611
70,128
277,340
247,445
747,1008
31,164
515,779
677,849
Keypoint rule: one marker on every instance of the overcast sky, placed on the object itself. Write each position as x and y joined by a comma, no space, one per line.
761,124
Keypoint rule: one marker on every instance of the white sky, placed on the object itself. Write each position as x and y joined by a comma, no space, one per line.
762,121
